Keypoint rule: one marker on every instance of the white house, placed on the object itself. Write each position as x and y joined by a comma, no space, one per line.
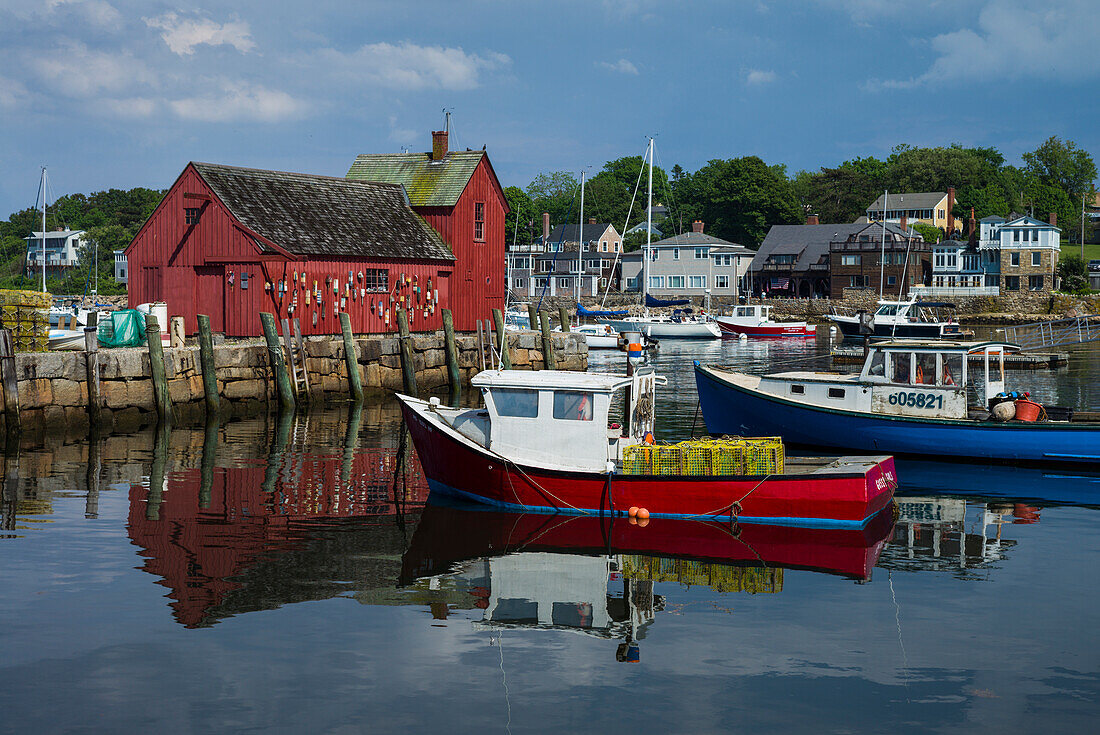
62,248
690,264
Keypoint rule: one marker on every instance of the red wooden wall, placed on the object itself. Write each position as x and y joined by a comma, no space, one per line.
478,282
202,269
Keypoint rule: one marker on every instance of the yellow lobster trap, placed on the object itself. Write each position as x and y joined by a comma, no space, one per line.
26,314
724,456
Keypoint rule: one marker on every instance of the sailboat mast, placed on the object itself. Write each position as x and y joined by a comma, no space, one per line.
580,246
648,224
882,255
43,184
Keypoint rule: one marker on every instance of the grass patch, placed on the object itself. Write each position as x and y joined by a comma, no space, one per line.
1092,250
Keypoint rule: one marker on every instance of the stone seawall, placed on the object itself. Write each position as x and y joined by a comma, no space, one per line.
53,390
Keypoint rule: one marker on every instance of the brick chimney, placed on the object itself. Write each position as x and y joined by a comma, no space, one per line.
972,225
545,227
950,227
904,223
697,226
811,219
591,220
1053,219
439,144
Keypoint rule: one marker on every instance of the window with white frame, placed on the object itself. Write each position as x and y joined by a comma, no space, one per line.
850,259
675,281
654,255
565,283
656,281
676,253
1036,257
721,281
701,253
519,282
697,281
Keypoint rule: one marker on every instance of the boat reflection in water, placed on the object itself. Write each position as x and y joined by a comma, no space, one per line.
595,574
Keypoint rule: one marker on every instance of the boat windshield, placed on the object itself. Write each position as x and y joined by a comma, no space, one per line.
899,367
887,310
926,368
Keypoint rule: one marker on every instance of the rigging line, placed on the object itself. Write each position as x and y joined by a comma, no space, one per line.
554,266
626,224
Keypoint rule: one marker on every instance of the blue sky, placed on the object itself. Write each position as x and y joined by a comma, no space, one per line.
122,93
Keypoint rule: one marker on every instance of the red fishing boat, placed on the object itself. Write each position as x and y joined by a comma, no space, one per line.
545,442
755,321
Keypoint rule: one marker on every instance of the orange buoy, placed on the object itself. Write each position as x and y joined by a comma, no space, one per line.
643,522
642,514
633,511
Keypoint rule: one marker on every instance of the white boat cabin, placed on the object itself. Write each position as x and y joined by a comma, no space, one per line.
921,378
752,315
557,418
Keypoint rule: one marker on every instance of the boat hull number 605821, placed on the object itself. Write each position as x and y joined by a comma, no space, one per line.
915,400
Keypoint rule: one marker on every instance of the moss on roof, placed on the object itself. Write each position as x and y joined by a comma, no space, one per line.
428,183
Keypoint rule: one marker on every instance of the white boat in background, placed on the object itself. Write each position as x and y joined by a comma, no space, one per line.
66,339
598,336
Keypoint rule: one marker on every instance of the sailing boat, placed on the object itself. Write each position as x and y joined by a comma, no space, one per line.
676,326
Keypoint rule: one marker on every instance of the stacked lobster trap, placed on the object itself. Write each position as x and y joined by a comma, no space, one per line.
712,456
27,315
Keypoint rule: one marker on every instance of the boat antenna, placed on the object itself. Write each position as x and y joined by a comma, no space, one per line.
882,256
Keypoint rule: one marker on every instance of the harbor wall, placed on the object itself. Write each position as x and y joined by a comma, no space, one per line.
53,389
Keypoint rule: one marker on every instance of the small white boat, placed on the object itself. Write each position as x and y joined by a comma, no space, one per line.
598,336
66,339
667,327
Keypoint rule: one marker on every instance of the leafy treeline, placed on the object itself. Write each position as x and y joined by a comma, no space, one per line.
739,199
110,218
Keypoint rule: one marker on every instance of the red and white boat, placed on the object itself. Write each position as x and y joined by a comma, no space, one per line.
756,321
544,443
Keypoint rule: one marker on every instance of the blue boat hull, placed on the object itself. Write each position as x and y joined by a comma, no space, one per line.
731,409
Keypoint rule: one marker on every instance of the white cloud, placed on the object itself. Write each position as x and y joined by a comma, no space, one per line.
398,134
60,12
12,93
183,34
411,67
73,69
623,66
239,102
130,108
1025,39
756,77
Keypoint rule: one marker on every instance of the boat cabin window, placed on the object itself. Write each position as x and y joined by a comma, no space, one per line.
573,405
744,311
952,370
887,310
878,365
926,368
799,389
517,403
836,393
899,367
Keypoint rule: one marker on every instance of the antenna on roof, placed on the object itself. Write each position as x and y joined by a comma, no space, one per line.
446,121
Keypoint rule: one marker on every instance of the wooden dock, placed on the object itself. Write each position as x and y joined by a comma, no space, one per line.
1014,361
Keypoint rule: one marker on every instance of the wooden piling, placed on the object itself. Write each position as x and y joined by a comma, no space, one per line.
351,359
206,362
351,441
408,370
563,317
548,361
161,437
533,317
176,333
453,373
278,365
91,364
208,460
10,381
502,340
161,397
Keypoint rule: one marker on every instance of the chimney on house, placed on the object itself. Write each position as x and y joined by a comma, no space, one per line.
904,223
811,219
545,227
591,220
439,144
1053,219
697,226
972,225
950,227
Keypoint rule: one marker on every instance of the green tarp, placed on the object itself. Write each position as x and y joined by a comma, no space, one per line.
125,328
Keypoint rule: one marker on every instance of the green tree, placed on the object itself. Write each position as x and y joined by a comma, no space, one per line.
739,199
555,192
1063,165
842,194
1073,274
930,233
521,209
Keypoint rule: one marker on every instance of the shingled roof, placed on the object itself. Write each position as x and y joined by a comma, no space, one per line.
809,242
323,215
915,200
429,183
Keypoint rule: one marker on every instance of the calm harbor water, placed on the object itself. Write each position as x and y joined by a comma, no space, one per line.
287,575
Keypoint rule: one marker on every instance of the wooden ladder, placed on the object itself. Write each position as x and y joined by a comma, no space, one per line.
296,358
